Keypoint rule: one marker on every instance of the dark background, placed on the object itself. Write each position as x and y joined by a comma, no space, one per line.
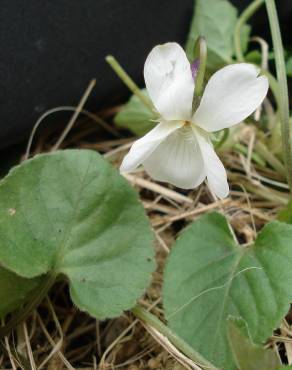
51,49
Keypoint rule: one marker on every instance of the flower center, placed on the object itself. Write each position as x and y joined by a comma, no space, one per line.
186,132
186,123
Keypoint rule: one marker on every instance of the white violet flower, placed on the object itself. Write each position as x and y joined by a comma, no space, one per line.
179,149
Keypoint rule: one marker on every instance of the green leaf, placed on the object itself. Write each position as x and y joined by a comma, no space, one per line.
14,290
135,116
215,20
254,56
209,277
247,355
70,213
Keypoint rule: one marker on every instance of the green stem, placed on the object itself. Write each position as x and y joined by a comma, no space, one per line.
283,87
246,14
129,82
33,303
178,342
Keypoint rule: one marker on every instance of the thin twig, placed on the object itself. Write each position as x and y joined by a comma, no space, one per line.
75,114
158,189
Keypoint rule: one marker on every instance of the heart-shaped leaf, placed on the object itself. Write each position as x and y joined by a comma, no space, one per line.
207,22
247,355
70,213
209,277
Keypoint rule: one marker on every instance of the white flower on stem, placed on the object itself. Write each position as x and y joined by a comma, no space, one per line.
179,149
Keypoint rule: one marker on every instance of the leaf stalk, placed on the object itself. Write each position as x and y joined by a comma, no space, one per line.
34,301
178,342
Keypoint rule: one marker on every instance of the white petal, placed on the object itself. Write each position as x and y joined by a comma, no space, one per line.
215,171
231,95
177,160
143,147
169,81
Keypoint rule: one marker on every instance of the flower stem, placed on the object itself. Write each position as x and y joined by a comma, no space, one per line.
283,87
129,82
178,342
246,14
33,303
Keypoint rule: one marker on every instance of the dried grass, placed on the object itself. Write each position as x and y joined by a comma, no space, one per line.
58,336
